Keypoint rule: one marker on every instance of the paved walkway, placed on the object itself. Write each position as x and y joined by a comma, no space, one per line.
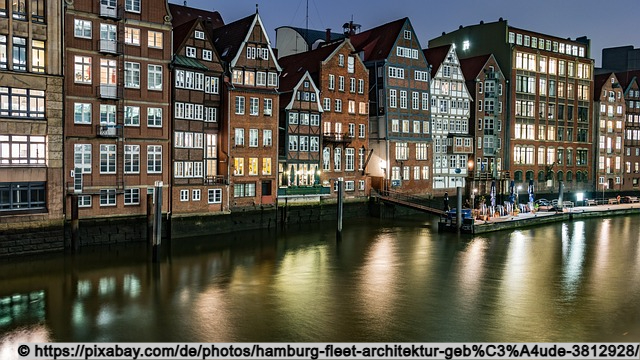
578,209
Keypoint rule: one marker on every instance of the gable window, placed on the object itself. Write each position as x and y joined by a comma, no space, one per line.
207,55
190,52
199,34
407,34
341,60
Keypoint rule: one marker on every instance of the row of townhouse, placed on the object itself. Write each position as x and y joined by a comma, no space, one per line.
162,93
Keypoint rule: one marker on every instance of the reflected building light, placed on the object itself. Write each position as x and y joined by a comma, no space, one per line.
471,272
131,285
105,315
573,260
27,334
106,286
84,288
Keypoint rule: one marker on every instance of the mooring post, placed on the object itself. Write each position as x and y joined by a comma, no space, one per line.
157,225
340,205
459,208
150,221
75,223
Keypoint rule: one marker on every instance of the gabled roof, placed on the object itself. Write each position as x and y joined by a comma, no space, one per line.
435,57
626,78
471,67
182,14
182,31
228,39
294,66
377,43
598,83
311,36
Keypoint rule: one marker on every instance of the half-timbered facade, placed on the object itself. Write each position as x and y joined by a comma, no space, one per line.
250,126
196,72
450,111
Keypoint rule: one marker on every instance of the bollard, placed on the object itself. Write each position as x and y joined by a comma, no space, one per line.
459,208
150,219
340,206
157,224
75,223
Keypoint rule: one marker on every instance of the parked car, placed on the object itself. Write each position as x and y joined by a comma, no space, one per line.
544,205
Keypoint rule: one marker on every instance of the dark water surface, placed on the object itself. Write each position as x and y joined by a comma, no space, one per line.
388,280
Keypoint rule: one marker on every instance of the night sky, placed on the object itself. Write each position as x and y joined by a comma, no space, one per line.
606,23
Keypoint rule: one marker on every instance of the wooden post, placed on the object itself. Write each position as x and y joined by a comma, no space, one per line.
459,208
340,207
150,219
75,223
157,224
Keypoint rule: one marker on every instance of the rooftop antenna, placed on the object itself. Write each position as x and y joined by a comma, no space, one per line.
307,23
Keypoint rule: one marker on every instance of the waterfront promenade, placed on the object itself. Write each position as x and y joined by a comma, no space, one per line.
525,219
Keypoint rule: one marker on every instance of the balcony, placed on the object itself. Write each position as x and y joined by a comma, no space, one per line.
107,11
108,91
108,46
304,191
108,130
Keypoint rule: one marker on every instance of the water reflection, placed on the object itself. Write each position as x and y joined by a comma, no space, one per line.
386,281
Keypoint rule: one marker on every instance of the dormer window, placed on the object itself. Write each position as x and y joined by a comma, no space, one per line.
191,52
407,34
199,35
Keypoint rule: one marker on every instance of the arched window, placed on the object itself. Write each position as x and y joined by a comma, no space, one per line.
560,176
541,176
517,176
569,176
585,177
578,176
529,175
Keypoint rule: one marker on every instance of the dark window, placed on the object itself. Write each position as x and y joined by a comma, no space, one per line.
569,176
518,176
578,176
266,188
3,7
541,176
582,135
560,176
585,177
529,175
22,196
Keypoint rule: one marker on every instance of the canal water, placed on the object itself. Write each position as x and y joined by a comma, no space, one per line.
387,280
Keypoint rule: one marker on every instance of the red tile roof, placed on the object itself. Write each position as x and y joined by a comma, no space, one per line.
377,43
435,56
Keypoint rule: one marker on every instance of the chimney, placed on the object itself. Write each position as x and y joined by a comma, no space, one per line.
185,3
327,35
